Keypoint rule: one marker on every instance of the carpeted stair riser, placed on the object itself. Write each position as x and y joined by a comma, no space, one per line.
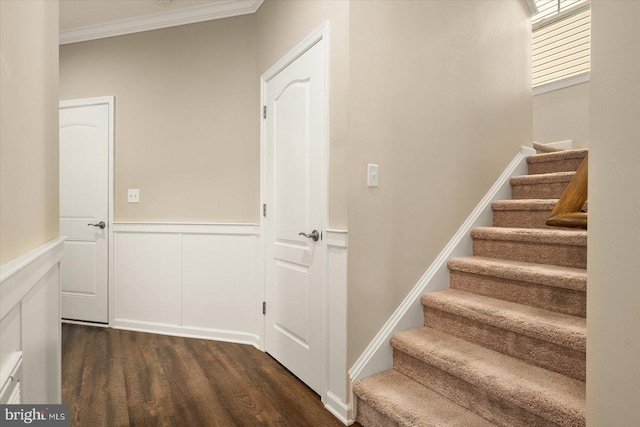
555,247
370,417
498,387
474,398
560,300
522,213
540,186
382,404
556,162
537,352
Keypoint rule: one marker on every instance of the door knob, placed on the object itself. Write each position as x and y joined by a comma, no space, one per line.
100,225
314,235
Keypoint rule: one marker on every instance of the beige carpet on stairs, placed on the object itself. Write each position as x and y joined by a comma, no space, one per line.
506,344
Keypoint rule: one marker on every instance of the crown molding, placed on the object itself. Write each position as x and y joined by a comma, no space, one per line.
209,12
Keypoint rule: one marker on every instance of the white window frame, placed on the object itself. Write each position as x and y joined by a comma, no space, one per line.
567,81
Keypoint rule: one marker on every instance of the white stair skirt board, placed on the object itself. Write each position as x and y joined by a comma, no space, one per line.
377,357
192,280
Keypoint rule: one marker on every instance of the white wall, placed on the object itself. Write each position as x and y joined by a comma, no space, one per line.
613,298
562,114
186,118
28,125
439,97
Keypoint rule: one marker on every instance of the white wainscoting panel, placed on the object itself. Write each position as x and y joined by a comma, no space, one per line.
30,328
219,282
148,271
193,280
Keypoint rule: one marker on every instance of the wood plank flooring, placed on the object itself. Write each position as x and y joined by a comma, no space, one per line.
117,378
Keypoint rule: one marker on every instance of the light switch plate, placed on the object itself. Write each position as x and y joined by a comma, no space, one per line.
373,175
133,195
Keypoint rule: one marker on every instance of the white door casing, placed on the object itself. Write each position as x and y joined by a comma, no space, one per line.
86,128
294,190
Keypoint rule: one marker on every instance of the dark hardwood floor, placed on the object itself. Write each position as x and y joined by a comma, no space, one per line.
119,378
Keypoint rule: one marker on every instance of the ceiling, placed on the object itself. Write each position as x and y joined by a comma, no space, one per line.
82,13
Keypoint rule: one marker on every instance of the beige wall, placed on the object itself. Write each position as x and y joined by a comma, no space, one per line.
186,103
281,26
440,98
562,114
613,300
28,125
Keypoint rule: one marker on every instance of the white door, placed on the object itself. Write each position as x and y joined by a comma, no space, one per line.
295,198
84,209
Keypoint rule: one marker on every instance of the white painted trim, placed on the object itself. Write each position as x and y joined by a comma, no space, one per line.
19,275
336,238
247,229
561,84
338,408
533,8
377,357
110,102
80,322
311,40
166,19
187,332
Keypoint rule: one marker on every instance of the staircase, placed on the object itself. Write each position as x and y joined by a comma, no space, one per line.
506,344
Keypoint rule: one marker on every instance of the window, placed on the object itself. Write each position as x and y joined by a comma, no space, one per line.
561,44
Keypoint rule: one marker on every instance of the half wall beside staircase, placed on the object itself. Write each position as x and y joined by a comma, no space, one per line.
506,343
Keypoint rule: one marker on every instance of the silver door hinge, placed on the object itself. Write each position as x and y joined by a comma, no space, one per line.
264,210
264,111
264,307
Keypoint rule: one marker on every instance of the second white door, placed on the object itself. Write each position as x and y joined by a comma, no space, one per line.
294,192
84,208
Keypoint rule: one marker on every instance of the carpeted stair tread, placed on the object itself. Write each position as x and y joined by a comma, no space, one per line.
552,396
404,402
560,329
532,235
557,161
543,274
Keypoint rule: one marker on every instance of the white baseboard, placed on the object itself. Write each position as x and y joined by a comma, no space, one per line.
338,408
187,332
377,357
82,323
